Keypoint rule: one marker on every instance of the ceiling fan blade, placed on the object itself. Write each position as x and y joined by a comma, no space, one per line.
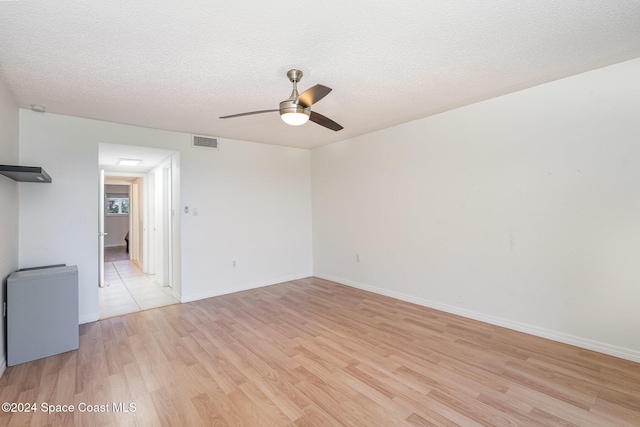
313,95
324,121
247,114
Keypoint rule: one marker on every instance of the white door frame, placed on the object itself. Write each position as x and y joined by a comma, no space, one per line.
101,231
134,220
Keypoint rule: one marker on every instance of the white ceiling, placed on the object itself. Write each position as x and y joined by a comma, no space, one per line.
110,154
179,65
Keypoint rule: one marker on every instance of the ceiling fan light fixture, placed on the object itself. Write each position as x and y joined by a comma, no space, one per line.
294,119
294,114
296,110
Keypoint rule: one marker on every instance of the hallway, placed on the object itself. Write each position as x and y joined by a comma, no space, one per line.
128,290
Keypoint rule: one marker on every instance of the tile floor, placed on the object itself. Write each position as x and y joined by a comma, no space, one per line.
127,290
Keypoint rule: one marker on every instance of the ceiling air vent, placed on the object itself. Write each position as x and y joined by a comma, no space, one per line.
204,141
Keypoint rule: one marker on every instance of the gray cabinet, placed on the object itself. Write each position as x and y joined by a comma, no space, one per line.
42,313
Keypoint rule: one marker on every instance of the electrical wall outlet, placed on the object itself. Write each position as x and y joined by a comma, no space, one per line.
357,257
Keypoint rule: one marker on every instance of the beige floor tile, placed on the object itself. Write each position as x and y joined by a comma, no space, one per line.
127,290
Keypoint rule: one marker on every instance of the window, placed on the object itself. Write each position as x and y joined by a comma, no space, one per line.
117,206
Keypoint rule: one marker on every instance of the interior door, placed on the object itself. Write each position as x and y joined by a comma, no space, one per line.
167,217
101,232
134,223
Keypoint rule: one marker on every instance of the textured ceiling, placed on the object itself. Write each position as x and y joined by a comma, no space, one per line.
179,65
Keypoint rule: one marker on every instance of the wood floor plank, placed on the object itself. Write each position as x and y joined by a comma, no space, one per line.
313,416
436,410
267,408
164,407
315,353
247,409
207,411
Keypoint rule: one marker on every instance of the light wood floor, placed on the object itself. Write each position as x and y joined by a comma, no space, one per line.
315,353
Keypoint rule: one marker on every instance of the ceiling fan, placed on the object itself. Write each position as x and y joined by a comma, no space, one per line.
296,110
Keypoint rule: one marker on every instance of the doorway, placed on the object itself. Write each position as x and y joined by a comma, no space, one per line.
137,244
118,219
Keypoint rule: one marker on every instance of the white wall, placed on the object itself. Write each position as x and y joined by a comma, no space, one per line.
254,206
116,227
522,211
9,197
59,221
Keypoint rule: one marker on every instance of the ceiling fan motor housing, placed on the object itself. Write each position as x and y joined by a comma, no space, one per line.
290,108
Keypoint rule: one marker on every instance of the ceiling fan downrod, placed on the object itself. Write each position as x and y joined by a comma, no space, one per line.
294,76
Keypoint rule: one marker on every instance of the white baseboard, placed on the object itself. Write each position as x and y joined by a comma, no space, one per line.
600,347
242,287
88,318
3,366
